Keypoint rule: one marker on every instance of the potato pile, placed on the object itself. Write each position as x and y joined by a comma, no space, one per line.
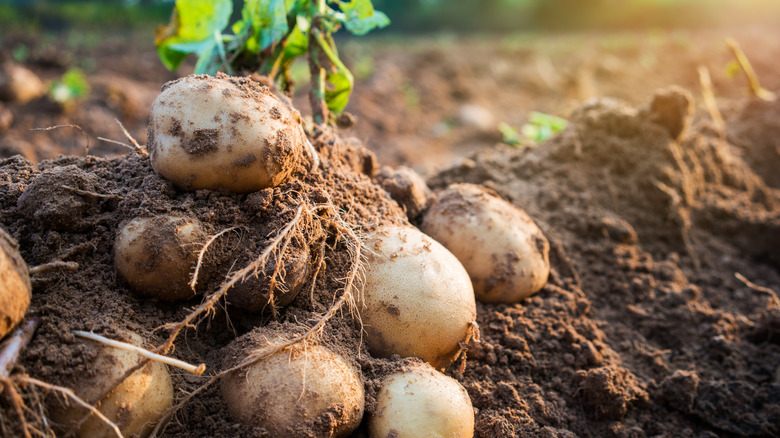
407,293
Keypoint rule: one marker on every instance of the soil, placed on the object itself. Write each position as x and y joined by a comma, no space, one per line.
653,214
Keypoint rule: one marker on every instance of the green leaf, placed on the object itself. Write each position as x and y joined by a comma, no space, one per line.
191,30
509,134
360,16
72,85
337,96
267,20
541,126
556,124
297,45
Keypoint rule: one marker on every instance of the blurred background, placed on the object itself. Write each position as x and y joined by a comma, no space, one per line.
444,79
422,16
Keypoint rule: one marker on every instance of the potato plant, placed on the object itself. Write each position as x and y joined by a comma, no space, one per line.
268,38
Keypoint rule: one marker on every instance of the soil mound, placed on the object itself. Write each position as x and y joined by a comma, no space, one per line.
644,328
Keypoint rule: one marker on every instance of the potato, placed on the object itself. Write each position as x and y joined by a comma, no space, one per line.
421,402
504,252
156,255
300,391
18,84
135,406
223,133
15,287
417,299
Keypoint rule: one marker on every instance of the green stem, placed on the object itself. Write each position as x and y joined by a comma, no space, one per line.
333,58
317,94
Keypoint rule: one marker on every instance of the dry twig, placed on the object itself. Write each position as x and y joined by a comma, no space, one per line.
710,102
755,87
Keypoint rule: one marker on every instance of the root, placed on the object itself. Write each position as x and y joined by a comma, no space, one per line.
208,305
758,288
14,346
8,357
194,369
347,298
88,193
51,128
69,394
55,266
138,148
202,253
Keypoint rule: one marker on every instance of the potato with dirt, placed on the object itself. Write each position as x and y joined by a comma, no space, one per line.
299,391
223,133
418,402
504,252
157,255
135,405
417,299
15,286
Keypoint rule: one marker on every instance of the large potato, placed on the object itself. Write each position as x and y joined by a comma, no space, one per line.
420,402
504,252
417,299
223,133
302,391
15,287
157,255
135,406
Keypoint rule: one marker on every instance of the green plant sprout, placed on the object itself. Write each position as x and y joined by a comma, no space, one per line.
71,86
540,127
268,38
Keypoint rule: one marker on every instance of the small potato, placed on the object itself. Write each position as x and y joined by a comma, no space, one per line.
421,402
18,84
135,406
223,133
417,299
302,391
504,252
15,287
156,255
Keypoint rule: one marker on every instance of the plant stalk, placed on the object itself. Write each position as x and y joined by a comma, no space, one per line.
317,94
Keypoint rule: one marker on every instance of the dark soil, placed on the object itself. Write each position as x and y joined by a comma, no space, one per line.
643,329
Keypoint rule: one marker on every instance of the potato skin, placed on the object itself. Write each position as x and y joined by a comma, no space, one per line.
504,252
135,406
157,255
301,391
417,299
421,402
15,287
223,133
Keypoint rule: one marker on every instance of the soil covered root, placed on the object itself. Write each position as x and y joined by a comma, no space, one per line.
307,217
